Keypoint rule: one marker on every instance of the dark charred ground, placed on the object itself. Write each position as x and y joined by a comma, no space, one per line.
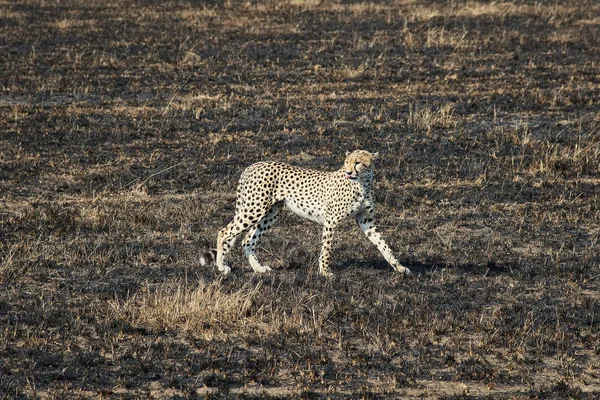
125,125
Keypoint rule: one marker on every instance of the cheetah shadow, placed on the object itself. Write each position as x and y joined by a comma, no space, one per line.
422,268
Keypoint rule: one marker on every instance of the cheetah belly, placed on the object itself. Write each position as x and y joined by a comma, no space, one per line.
311,214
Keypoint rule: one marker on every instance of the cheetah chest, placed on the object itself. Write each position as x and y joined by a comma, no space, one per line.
348,203
359,203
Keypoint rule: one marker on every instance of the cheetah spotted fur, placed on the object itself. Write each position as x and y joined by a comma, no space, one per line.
324,197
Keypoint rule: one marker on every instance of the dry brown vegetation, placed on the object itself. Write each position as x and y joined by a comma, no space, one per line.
124,126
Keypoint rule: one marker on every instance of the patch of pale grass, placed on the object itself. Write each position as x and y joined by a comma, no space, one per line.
471,9
207,311
306,4
7,264
437,37
17,259
426,118
213,310
366,8
350,72
195,16
581,157
72,23
419,13
474,9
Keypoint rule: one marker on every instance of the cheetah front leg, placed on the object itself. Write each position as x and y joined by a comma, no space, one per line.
367,224
325,250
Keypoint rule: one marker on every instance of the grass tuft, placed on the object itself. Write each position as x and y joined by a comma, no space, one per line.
208,311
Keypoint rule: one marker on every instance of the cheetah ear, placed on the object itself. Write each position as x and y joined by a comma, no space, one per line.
375,156
347,153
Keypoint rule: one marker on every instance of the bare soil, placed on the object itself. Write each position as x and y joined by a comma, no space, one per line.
124,126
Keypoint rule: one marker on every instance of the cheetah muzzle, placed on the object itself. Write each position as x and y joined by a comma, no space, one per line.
324,197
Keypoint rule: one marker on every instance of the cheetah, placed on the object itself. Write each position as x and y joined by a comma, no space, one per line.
324,197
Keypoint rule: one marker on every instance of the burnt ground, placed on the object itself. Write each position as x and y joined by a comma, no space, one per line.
124,126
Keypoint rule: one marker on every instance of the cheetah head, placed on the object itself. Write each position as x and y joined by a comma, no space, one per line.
359,164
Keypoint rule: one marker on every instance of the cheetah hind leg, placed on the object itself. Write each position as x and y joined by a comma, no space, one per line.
226,240
252,238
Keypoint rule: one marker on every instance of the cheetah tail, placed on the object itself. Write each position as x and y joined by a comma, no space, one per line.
208,257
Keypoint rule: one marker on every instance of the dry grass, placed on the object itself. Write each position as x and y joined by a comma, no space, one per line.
125,127
213,311
425,118
208,311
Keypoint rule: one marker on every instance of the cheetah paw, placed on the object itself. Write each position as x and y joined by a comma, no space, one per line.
225,271
262,269
326,274
402,269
